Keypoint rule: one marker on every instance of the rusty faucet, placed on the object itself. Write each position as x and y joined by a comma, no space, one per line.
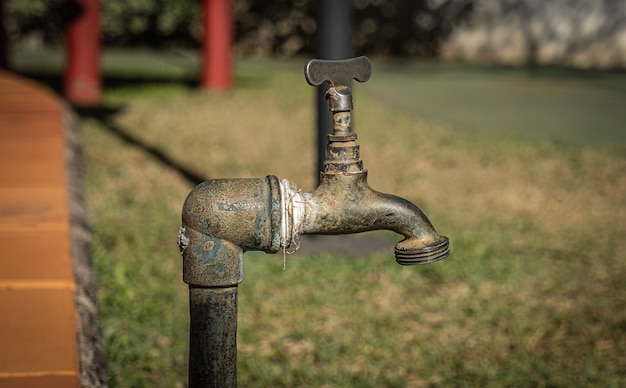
223,218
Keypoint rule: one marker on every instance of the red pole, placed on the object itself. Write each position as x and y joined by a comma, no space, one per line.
82,84
217,45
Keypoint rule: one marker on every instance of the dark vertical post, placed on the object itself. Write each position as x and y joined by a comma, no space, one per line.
333,41
217,45
4,41
213,337
82,82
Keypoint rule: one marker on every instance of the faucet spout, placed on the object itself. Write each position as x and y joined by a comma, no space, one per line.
345,203
224,218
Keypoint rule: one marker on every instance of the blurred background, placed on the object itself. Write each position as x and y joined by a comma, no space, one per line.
574,33
502,120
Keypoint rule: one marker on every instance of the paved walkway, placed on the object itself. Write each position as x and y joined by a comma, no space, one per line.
38,343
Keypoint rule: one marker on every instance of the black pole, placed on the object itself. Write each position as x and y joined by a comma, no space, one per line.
4,40
213,337
333,41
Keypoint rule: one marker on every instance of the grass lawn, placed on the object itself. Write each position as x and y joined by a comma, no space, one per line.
532,295
583,107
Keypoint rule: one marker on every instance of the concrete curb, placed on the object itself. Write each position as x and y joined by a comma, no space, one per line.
93,370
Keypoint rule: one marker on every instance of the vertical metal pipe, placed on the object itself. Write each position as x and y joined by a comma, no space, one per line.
213,337
82,82
222,218
333,41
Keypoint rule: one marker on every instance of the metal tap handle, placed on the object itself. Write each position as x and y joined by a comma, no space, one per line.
338,73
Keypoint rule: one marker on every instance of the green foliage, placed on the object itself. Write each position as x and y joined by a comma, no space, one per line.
397,28
124,22
37,21
153,22
284,27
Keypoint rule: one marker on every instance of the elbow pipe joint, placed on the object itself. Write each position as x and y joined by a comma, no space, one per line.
222,219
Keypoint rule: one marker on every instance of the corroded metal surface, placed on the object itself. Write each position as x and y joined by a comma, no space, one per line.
223,218
213,337
339,75
344,203
339,72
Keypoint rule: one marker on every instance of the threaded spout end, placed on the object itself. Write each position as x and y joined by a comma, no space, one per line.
407,255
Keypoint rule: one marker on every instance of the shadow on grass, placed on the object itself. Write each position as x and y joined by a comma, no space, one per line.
54,80
105,115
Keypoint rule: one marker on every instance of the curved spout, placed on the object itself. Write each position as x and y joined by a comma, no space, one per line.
344,203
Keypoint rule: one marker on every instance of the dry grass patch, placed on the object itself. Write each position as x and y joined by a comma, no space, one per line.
532,294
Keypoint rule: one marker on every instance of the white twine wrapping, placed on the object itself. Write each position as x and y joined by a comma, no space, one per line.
292,218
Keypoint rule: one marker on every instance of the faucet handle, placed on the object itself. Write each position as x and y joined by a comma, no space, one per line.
339,73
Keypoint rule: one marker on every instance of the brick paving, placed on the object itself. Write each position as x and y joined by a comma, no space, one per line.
38,341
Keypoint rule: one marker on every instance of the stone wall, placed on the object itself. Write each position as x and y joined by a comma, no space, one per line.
576,33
